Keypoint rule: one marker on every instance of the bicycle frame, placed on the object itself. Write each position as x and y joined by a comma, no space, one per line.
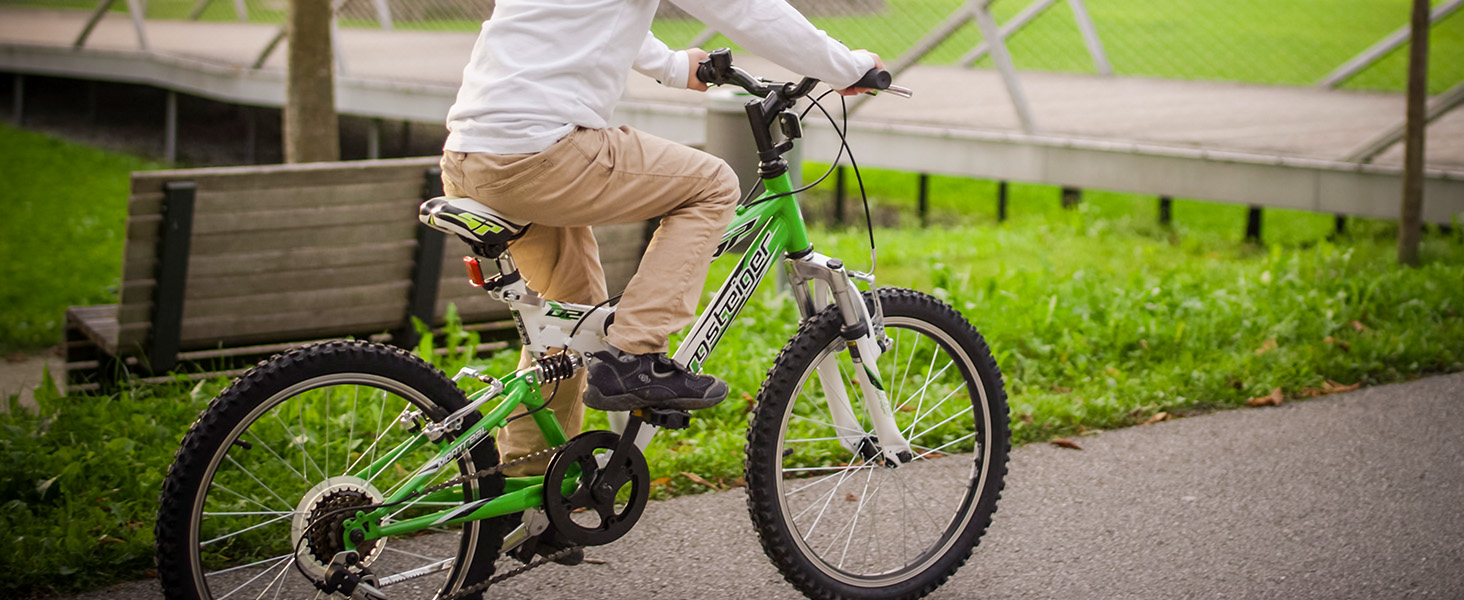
773,226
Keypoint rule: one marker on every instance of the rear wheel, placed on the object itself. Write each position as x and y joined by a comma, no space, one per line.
288,444
835,517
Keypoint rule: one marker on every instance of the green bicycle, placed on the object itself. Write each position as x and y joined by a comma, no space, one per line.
876,449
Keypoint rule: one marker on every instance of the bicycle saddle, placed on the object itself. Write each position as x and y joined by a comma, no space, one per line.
481,227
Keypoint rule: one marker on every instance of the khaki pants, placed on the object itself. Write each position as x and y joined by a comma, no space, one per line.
603,177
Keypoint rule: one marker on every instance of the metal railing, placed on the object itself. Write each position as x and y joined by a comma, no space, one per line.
1291,42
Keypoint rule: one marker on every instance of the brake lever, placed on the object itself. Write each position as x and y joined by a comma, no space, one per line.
902,92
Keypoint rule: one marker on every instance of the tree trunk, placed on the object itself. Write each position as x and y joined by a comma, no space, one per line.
311,130
1410,222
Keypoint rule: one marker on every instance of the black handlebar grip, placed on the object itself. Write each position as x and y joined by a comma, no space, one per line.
713,70
878,79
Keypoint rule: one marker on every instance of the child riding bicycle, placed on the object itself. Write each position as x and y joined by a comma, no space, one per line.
530,138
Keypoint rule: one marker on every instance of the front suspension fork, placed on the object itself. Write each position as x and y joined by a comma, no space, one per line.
863,333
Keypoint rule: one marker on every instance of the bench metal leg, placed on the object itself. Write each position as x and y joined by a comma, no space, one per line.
18,102
170,127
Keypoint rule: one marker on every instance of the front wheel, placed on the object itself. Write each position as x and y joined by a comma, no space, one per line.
254,503
836,517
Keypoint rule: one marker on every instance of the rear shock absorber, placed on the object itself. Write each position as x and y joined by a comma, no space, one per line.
557,367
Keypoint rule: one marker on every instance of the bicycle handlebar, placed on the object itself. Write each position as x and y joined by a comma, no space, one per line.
717,69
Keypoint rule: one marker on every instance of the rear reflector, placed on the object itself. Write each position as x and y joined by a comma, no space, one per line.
475,271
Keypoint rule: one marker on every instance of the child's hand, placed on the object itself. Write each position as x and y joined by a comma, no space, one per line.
694,57
878,64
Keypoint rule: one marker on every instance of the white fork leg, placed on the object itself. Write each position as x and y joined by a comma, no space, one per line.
866,353
850,433
877,404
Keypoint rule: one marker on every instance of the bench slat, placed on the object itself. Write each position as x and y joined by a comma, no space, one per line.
287,176
267,261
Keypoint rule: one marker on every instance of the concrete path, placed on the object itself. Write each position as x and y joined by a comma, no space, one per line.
24,375
1359,495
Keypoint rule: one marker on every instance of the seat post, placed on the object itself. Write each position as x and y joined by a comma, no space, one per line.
505,263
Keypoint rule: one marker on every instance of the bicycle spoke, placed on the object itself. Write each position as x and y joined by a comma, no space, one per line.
247,514
829,425
379,434
933,427
253,564
854,522
250,528
829,498
304,456
274,581
929,451
276,455
250,474
920,418
216,484
427,559
252,579
351,432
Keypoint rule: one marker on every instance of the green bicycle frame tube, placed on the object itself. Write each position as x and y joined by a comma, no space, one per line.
776,228
521,389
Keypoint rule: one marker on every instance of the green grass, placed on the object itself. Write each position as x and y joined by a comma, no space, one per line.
1258,41
61,238
1098,317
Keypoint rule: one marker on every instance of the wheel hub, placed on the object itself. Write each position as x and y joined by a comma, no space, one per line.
323,506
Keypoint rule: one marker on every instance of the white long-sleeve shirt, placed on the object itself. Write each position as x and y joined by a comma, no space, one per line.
540,68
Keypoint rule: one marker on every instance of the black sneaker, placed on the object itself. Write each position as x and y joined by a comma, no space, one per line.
624,381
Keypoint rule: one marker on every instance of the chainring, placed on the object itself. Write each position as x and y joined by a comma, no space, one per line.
588,515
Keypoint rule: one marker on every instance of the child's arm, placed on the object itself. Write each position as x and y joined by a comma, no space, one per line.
672,68
775,30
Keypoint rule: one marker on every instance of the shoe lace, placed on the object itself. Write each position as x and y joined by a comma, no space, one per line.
667,362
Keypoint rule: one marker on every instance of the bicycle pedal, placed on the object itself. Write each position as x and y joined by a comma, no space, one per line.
665,418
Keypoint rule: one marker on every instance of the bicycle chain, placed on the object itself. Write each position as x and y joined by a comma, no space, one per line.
483,586
515,572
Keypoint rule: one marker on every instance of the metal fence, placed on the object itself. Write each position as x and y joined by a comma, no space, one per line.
1288,42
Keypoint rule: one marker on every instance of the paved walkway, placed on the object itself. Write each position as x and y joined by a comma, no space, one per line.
1351,496
1293,121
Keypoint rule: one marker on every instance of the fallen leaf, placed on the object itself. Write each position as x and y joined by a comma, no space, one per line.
150,573
1328,387
1160,416
1272,399
698,479
1266,346
1144,344
934,455
1061,390
739,482
107,539
851,497
1346,347
1064,443
746,396
907,408
1359,326
16,357
660,481
1111,370
1025,418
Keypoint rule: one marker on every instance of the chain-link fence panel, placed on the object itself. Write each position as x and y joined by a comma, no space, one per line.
1288,42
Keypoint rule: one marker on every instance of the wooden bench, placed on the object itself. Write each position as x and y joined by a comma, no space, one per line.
225,265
